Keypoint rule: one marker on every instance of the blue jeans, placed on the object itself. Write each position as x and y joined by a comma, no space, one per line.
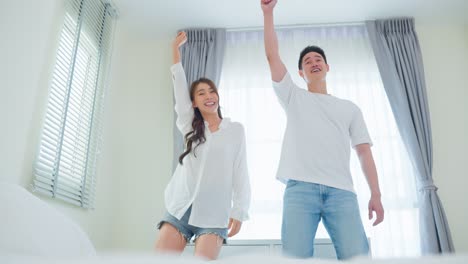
305,204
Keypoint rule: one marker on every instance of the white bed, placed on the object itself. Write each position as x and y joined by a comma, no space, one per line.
135,258
27,222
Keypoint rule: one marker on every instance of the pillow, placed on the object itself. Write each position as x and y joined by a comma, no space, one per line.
30,226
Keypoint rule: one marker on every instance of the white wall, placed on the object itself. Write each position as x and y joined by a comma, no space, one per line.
445,54
30,31
25,50
141,136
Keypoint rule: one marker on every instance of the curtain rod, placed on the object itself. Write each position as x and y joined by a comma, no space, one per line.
357,23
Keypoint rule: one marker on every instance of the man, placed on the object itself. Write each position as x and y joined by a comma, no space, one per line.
315,155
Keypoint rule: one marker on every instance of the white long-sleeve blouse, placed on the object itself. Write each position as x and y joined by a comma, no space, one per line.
214,179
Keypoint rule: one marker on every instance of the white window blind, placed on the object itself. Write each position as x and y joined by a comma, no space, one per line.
65,166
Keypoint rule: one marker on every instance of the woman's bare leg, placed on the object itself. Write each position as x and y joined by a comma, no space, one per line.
170,239
208,246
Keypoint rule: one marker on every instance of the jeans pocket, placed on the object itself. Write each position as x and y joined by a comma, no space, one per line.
291,183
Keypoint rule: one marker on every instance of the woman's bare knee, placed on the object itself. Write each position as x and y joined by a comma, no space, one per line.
208,246
170,239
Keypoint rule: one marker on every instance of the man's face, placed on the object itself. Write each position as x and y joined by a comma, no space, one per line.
314,67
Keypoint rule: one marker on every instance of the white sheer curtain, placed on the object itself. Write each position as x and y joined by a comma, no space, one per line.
246,95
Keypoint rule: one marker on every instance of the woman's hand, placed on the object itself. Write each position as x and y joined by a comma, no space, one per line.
234,227
180,39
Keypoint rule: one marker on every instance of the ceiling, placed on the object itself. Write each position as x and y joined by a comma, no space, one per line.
155,17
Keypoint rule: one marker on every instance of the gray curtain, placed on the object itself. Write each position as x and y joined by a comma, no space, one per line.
202,56
396,49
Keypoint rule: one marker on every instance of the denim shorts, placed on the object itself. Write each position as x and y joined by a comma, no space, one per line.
191,232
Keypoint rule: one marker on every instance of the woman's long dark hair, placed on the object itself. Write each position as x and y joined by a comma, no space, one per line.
197,135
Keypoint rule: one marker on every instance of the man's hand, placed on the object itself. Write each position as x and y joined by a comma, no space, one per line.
268,5
234,227
375,205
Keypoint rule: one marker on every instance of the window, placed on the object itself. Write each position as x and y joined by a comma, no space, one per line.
69,145
247,96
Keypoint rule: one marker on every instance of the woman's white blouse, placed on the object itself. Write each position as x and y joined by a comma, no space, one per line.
213,179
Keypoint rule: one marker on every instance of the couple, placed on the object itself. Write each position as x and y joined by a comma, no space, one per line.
209,194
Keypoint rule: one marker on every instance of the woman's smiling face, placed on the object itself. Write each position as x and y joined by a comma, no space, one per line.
205,98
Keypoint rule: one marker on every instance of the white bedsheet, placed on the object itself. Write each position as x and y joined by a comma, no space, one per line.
25,238
135,258
29,226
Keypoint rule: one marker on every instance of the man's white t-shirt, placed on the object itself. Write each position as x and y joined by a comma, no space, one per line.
319,134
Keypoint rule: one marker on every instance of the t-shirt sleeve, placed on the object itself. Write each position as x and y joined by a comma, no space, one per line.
358,129
284,90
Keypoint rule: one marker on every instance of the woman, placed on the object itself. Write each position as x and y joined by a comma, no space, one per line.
209,193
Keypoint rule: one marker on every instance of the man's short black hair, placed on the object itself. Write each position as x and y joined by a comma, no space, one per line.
311,49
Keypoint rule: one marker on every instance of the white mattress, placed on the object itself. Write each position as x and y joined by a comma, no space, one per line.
135,258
